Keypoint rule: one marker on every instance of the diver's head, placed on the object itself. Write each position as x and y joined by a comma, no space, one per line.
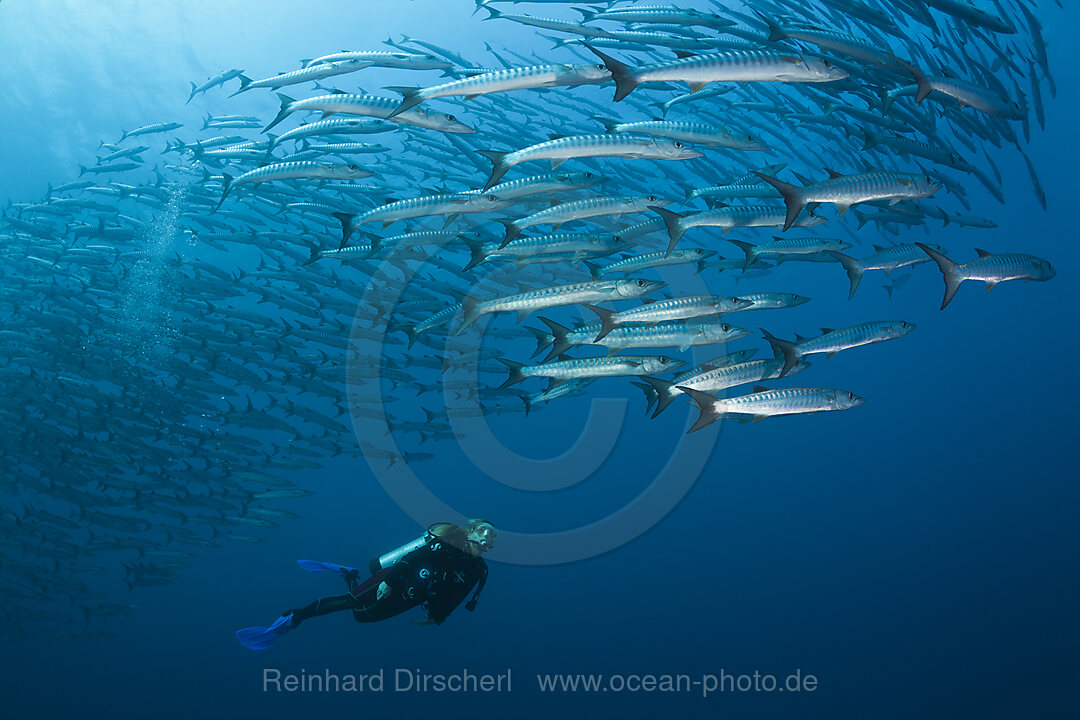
481,536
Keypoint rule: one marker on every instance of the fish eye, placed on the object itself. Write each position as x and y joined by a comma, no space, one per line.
663,359
651,198
451,118
678,144
589,175
600,67
851,396
725,327
641,283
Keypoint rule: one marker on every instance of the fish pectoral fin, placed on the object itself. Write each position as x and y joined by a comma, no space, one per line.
556,162
753,419
829,355
841,209
990,285
685,346
696,86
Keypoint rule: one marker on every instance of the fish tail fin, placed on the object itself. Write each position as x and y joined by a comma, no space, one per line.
543,339
662,391
776,33
470,312
852,267
527,402
194,87
245,81
82,170
608,123
673,223
559,341
514,369
499,167
786,348
412,333
512,231
869,140
226,186
606,323
948,271
316,253
922,82
706,405
492,12
283,111
347,226
586,14
625,80
793,198
748,250
594,269
410,97
479,255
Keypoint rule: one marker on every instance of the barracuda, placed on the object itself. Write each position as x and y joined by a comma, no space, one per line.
572,245
335,126
883,258
764,403
382,58
788,246
843,191
612,366
560,149
543,185
680,308
671,334
308,74
714,379
572,294
739,66
579,210
220,79
519,78
388,214
371,106
989,268
833,341
291,170
729,218
687,132
651,260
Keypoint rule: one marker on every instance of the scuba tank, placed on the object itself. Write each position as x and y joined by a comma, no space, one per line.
387,559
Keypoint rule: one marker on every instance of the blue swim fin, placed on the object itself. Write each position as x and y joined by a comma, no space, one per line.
262,638
316,566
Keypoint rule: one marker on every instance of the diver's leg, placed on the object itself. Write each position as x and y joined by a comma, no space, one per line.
323,606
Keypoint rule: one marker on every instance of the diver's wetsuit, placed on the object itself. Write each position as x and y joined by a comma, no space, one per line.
437,575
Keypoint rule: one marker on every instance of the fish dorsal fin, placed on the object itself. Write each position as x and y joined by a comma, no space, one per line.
646,301
879,248
682,54
556,137
336,91
833,174
390,200
826,331
800,338
760,389
983,253
697,86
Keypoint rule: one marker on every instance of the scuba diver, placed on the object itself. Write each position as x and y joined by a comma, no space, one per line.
437,571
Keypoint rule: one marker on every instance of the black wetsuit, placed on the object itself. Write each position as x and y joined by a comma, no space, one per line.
437,576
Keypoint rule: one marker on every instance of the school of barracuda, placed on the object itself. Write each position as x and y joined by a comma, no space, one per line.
180,320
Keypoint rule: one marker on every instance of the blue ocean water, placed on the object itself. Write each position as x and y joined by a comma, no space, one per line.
916,554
